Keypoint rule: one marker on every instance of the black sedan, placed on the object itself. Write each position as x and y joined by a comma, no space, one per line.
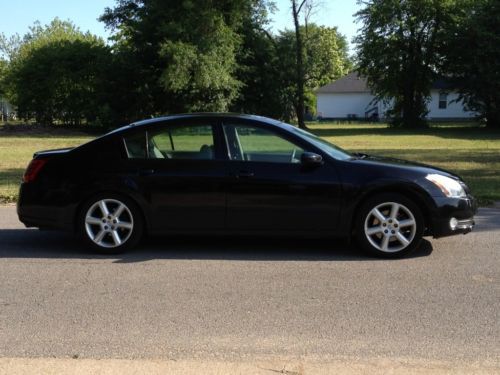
238,174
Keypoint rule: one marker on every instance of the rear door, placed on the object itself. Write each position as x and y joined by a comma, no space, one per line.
183,175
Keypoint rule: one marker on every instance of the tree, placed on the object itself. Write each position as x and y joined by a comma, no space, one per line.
187,63
57,73
325,60
398,52
259,71
3,72
477,71
297,7
3,69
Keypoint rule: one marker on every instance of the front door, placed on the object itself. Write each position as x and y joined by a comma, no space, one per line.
270,190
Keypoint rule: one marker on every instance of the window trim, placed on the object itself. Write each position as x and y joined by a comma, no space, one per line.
443,104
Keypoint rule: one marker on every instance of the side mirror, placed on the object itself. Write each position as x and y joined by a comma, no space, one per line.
311,159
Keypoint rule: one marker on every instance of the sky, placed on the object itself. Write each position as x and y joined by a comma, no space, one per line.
17,16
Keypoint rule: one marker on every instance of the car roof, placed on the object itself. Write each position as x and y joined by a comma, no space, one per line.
206,115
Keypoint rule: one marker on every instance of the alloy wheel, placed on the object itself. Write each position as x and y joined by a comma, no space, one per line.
390,227
109,223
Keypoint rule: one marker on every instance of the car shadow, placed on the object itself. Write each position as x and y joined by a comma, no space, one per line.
32,243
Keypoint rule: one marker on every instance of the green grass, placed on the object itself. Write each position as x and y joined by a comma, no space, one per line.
470,151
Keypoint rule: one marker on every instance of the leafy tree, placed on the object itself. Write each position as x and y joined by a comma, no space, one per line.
325,59
9,46
3,72
187,63
473,57
56,73
259,71
312,66
399,52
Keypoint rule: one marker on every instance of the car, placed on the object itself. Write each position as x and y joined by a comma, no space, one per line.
218,174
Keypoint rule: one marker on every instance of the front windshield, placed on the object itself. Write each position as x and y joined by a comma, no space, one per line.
332,150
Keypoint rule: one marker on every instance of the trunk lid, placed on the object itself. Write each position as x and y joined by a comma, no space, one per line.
51,153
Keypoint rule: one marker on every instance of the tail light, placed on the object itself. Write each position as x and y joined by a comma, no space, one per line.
33,169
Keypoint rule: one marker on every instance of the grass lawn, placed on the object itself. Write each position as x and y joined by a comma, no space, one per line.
472,152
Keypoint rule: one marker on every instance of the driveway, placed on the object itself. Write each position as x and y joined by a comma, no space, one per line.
300,303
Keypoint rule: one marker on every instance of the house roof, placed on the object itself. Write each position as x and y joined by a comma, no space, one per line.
349,83
353,83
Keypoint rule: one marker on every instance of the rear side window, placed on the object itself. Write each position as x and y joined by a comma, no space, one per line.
135,146
190,142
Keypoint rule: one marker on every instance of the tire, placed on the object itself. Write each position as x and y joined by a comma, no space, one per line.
389,225
110,223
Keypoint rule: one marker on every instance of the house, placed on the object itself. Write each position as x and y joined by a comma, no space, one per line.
350,97
6,110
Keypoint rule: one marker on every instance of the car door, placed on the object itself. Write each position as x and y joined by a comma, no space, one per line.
183,175
270,189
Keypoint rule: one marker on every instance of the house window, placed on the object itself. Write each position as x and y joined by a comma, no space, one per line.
443,100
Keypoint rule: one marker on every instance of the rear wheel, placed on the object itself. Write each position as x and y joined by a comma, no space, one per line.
389,226
110,224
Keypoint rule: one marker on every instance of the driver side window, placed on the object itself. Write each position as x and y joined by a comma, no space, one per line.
249,143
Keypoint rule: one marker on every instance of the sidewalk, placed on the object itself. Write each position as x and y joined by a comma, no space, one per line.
50,366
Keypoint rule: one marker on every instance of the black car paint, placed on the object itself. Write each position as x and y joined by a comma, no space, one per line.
224,196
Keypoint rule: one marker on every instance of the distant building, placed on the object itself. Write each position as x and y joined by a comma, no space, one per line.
6,110
350,97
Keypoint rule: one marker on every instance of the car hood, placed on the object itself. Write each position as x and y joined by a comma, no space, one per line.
402,164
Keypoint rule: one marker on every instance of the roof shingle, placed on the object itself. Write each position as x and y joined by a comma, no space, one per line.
349,83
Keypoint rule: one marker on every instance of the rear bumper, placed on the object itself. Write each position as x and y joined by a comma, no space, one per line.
453,216
35,209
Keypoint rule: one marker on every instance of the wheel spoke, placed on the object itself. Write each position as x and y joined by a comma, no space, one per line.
98,238
104,208
385,243
119,211
116,237
394,210
92,220
406,223
404,241
378,214
124,225
373,230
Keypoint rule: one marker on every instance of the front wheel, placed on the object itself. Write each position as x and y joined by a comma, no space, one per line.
389,226
110,224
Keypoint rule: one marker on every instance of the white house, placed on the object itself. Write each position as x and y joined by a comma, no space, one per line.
6,110
350,97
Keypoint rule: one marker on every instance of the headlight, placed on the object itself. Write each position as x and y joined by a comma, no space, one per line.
450,187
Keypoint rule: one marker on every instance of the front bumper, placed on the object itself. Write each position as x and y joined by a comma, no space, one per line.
453,216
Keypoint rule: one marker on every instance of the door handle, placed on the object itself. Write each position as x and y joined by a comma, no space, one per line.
244,174
146,172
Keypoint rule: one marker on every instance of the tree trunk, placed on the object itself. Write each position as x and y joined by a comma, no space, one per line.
300,107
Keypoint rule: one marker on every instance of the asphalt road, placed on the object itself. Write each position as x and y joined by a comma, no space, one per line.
235,299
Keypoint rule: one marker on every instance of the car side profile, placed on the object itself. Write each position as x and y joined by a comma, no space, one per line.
238,174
